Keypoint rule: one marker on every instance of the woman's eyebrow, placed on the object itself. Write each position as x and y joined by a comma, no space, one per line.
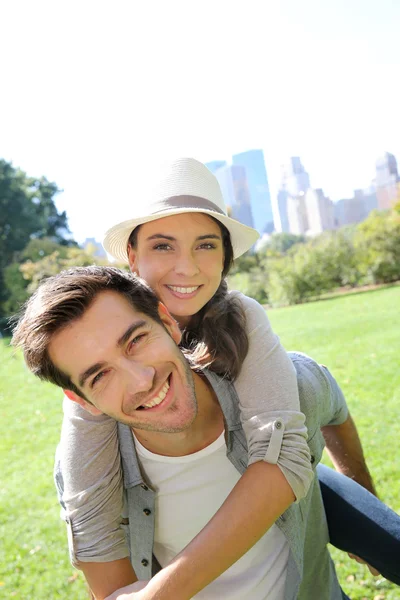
209,236
163,236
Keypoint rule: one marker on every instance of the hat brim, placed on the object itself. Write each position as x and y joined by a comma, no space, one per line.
116,238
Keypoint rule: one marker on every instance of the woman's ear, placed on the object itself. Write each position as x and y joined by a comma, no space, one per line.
169,323
82,402
132,255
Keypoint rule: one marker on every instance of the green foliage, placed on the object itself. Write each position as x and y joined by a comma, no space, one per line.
36,249
16,281
252,284
289,270
282,242
246,263
378,245
34,272
27,211
250,277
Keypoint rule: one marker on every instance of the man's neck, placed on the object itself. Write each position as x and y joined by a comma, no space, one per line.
205,429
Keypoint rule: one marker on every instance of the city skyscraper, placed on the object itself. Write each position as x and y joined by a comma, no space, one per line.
295,182
320,212
281,220
297,214
214,165
257,180
386,180
295,179
233,182
354,210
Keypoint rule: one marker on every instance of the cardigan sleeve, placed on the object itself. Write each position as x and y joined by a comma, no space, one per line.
269,402
89,484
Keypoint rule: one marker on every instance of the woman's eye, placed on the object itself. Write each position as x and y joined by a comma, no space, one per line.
208,246
162,247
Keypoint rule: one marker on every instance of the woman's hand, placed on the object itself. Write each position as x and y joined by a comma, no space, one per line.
372,570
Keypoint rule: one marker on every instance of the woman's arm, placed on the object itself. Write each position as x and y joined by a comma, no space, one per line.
257,500
268,393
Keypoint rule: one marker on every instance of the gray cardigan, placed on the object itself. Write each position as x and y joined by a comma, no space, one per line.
310,571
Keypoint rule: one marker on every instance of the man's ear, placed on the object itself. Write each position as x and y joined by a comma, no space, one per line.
82,402
132,254
169,323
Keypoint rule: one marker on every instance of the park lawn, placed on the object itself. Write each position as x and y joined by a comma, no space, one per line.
357,336
34,562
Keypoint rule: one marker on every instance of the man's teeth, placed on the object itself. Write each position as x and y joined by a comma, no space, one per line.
183,290
158,399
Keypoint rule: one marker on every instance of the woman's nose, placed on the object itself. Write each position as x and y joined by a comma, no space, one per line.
186,265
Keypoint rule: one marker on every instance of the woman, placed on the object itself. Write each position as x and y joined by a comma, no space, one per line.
183,244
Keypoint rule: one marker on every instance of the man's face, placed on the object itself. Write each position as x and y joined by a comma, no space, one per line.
127,365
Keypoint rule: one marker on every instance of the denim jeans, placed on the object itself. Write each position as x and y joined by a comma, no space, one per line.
360,523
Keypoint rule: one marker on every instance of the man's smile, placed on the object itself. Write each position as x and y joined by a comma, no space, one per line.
157,399
160,400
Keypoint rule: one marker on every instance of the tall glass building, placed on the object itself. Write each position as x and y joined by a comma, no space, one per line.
257,181
234,187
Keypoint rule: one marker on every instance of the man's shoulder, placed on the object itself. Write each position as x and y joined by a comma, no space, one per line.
321,398
226,394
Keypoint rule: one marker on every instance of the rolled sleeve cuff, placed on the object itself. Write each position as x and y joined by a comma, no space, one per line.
95,534
281,438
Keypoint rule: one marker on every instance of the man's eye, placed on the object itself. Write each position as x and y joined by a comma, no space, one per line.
97,378
135,341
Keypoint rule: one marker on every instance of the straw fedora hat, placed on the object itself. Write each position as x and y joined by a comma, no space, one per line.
184,185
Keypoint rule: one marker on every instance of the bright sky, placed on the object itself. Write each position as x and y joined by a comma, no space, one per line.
93,93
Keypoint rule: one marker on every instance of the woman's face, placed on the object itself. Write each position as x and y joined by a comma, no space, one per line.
181,257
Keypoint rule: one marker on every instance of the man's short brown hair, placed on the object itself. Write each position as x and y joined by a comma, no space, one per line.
64,298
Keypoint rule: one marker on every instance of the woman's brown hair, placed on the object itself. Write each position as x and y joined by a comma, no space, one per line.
216,336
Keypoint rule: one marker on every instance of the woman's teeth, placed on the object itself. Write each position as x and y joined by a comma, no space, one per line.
158,399
183,290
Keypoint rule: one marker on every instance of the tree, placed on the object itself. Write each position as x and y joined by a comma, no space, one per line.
282,242
27,211
378,245
15,281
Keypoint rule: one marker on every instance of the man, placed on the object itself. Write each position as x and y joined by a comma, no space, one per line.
102,336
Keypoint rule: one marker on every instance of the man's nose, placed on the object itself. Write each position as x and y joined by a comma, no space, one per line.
186,265
138,377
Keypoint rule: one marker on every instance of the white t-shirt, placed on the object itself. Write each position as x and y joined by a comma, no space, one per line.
189,491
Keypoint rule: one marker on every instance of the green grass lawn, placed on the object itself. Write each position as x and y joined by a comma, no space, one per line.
357,336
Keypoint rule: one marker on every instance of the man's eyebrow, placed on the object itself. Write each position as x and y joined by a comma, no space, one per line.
163,236
90,371
125,336
121,341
